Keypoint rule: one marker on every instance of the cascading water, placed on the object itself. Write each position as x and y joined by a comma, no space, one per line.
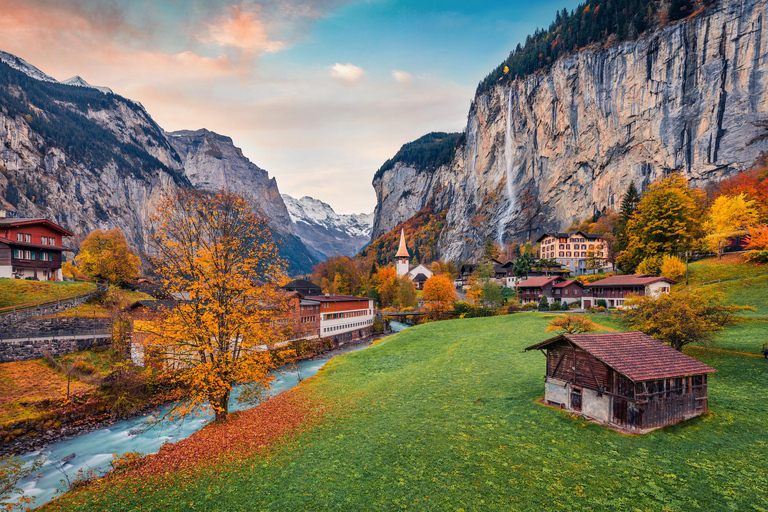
509,171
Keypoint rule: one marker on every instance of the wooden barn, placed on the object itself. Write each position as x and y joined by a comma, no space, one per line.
626,380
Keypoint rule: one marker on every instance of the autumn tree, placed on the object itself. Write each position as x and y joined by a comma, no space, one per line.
406,293
439,295
221,257
728,217
679,319
571,324
388,285
105,255
667,217
672,267
12,470
339,275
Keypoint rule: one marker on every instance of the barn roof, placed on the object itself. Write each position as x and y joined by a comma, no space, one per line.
565,284
634,355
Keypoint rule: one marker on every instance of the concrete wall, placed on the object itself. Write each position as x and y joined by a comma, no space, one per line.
556,390
596,407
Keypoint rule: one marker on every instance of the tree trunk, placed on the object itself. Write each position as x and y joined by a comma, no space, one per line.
223,407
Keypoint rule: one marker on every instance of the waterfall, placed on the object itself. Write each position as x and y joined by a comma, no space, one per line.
509,172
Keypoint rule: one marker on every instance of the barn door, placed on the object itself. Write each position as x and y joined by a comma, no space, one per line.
576,399
619,411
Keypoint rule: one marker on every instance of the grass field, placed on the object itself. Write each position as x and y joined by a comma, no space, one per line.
18,291
443,417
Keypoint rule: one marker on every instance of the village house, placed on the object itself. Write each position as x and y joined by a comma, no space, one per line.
626,380
418,274
554,288
614,290
31,248
575,251
304,317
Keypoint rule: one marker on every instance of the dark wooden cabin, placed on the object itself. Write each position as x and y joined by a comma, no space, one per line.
626,380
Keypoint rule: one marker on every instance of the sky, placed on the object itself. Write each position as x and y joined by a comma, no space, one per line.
319,93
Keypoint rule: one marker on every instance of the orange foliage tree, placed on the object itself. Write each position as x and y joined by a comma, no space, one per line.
439,295
215,253
571,324
105,255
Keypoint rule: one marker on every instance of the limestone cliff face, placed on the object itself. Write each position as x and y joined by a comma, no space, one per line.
690,97
212,162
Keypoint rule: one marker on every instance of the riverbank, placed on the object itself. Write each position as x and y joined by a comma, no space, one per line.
444,416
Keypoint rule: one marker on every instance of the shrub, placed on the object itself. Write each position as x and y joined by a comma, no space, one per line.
513,307
574,305
543,304
758,256
672,267
600,309
601,304
84,366
125,461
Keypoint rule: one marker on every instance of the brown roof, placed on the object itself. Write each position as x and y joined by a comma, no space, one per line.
634,354
402,251
567,283
335,298
631,280
537,282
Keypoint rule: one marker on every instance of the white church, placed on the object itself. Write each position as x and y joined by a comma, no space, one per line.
418,274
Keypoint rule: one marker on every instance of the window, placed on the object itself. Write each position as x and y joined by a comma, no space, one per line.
46,256
27,237
19,237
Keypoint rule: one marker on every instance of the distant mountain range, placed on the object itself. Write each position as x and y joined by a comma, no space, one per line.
325,231
90,159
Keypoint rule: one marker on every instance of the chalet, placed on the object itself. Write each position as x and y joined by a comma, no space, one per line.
626,380
344,317
567,292
533,288
573,251
31,248
615,289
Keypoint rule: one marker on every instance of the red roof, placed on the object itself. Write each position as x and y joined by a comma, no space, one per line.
568,283
537,282
634,355
631,280
25,222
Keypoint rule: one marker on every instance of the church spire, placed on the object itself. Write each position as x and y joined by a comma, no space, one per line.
402,251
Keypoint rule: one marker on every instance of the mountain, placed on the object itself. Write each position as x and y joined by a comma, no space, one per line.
326,231
90,159
212,162
544,148
80,82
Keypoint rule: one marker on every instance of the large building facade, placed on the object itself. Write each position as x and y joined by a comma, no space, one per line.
576,251
344,317
31,248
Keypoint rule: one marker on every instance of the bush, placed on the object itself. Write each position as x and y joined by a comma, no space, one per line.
601,304
125,461
513,307
574,305
600,309
758,256
543,304
672,267
84,366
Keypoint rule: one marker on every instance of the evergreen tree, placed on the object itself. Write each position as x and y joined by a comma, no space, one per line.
628,207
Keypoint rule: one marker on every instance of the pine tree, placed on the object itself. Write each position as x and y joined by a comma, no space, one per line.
628,208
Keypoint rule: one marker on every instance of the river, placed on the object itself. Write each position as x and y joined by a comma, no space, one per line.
94,450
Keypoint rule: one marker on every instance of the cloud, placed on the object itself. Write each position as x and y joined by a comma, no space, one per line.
346,73
402,77
243,29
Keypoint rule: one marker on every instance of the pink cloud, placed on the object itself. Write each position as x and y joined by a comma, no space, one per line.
241,28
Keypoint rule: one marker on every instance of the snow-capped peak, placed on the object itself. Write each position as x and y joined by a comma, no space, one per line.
314,211
25,67
78,81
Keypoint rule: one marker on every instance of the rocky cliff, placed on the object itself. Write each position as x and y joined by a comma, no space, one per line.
90,159
324,230
559,144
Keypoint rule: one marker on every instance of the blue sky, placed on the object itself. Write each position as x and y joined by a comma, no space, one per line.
319,93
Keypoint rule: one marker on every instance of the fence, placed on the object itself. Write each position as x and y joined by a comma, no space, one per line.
14,314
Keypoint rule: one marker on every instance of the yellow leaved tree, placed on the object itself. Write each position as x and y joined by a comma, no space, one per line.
219,259
729,217
105,255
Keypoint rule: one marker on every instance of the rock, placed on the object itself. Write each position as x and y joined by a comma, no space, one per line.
558,145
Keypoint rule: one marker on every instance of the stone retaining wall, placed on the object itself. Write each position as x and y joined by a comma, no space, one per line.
45,309
24,350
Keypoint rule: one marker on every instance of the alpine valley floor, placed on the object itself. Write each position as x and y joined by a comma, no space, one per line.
443,416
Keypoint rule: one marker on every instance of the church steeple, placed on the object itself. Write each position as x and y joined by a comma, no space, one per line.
402,256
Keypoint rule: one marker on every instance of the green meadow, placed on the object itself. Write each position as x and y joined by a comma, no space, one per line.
443,416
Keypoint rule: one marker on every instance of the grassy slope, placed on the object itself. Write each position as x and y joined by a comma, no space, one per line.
744,283
443,417
17,291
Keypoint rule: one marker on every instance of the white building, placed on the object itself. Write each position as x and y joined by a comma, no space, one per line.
418,274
